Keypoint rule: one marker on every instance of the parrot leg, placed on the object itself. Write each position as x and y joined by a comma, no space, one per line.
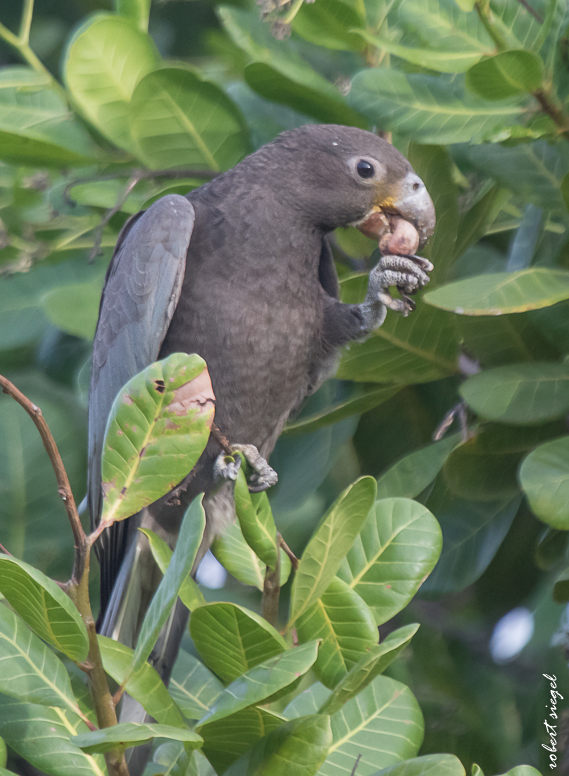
263,476
408,273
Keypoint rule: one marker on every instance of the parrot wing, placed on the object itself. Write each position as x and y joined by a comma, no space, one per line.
141,292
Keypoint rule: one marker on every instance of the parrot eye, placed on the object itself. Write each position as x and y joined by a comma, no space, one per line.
365,169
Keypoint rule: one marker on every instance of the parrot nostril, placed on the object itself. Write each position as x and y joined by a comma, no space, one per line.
416,186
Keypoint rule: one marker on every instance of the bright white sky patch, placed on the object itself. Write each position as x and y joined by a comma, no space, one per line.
511,634
211,573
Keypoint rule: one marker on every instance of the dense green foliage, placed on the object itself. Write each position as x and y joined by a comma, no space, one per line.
475,94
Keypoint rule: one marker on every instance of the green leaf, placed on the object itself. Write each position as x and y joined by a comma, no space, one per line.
145,685
137,11
370,666
533,171
505,75
132,733
178,120
42,736
256,521
416,349
29,670
475,223
228,739
519,393
74,308
427,109
346,626
232,640
544,478
307,702
396,550
36,125
429,765
502,293
361,400
41,603
235,555
193,686
279,74
191,595
561,588
296,748
330,23
157,429
263,681
412,474
329,544
105,59
187,546
522,770
383,723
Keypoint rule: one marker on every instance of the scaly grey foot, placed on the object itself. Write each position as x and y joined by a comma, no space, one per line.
263,476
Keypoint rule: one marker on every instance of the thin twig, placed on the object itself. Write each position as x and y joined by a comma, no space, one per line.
531,10
26,22
221,440
293,559
357,762
110,213
5,551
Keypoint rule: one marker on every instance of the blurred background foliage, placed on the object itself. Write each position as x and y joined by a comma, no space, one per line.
93,106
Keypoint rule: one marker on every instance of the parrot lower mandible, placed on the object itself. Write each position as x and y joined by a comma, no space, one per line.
241,272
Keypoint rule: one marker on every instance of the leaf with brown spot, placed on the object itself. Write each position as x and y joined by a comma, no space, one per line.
158,428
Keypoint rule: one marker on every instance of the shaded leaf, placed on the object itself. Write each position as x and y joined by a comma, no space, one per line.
479,218
502,292
235,555
383,723
329,544
232,640
308,701
105,59
330,23
74,308
187,546
136,10
544,478
256,521
429,765
370,666
132,733
346,626
157,429
395,551
425,108
193,686
519,393
176,119
41,603
228,739
505,75
263,681
412,474
145,685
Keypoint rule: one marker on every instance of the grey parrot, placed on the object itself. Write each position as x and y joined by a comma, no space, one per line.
241,272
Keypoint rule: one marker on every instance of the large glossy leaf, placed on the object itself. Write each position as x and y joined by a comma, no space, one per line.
48,611
383,723
479,218
256,520
136,10
533,171
232,640
105,59
263,681
505,75
228,739
296,748
412,474
330,23
193,686
279,74
157,429
74,308
308,701
416,349
501,293
42,736
191,595
177,120
368,668
29,670
519,393
425,108
145,685
346,626
237,557
187,546
544,477
395,551
428,765
132,733
36,125
472,533
329,544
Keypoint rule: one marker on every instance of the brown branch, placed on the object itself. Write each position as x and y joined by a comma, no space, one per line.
293,559
222,440
548,106
5,551
272,592
531,10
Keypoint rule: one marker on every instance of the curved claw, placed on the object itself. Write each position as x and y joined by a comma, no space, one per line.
226,468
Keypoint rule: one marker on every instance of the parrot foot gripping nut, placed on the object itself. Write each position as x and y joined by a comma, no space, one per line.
263,476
